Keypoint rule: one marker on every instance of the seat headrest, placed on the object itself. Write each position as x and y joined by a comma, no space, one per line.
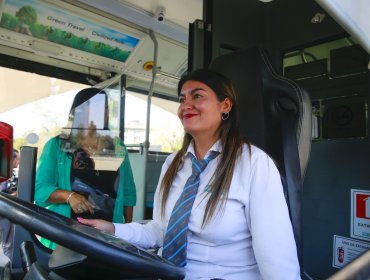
265,100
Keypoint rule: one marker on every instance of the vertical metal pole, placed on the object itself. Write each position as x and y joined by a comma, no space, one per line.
147,129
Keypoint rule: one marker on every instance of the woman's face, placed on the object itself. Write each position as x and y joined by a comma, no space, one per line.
200,110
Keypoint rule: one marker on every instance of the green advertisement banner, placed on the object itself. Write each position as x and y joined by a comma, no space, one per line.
42,21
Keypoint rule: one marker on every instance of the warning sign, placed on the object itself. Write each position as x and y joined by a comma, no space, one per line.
346,250
360,214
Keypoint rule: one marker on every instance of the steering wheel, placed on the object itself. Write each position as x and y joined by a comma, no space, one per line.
106,250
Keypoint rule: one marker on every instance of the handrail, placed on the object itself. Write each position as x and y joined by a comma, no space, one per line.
357,269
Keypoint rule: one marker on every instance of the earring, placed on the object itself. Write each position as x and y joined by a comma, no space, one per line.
225,116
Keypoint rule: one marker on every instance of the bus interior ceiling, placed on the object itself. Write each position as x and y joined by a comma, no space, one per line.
306,43
130,18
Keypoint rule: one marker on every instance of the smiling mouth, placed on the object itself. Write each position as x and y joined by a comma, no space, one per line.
188,116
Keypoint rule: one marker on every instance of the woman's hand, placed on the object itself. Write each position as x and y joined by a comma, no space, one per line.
80,204
101,225
77,202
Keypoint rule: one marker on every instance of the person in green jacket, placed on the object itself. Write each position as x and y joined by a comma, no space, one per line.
53,188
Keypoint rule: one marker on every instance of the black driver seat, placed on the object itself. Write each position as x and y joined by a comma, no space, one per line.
275,115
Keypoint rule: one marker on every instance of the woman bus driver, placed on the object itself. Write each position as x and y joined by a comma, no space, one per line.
239,226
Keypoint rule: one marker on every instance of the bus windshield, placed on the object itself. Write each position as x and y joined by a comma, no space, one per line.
38,108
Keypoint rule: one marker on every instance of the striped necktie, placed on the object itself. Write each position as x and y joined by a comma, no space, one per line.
175,241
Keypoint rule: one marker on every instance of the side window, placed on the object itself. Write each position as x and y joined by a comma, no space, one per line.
166,131
37,107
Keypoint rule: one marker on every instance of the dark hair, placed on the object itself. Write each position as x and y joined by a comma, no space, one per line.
214,80
228,133
81,160
15,152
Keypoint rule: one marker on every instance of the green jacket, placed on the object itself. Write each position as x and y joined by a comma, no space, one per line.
54,170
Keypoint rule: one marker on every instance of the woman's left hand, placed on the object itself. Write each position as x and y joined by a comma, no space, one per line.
80,204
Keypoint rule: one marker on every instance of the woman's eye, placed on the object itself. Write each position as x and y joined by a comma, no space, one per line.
181,100
197,95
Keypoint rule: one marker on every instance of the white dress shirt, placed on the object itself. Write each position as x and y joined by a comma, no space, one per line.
251,238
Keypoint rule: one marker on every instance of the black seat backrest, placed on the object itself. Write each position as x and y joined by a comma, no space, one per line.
275,115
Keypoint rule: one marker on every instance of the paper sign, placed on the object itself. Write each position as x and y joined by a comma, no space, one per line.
346,250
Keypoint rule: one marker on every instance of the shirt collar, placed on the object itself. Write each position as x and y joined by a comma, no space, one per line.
216,147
